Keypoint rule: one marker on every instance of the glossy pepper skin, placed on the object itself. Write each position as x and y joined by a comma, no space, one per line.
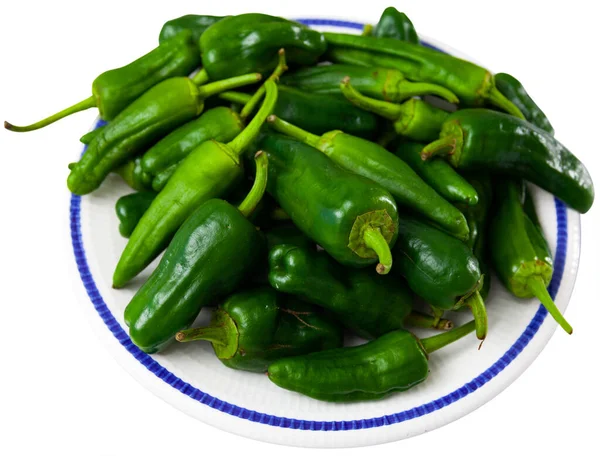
512,89
520,253
134,176
194,23
481,139
381,83
472,84
397,25
342,212
116,89
394,362
252,42
160,110
372,161
438,174
253,328
130,208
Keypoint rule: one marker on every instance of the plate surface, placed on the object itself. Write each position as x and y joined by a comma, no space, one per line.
189,376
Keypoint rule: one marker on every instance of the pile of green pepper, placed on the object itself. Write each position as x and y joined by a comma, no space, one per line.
335,196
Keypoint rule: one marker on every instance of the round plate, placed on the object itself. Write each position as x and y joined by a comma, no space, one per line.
191,378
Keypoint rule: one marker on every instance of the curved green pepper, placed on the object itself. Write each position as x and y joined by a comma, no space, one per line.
438,174
134,176
195,23
116,89
472,84
253,328
130,208
476,139
365,302
380,83
90,135
397,25
252,42
372,161
209,171
351,217
519,251
439,268
395,362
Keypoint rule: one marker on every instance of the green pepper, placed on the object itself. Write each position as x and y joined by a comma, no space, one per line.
472,84
134,176
482,139
512,89
395,362
380,83
372,161
157,112
253,328
116,89
365,302
130,208
414,119
351,217
438,174
288,234
195,23
251,42
440,269
210,256
90,135
519,251
209,171
397,25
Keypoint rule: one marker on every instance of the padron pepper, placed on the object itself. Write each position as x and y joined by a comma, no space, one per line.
210,256
116,89
195,23
351,217
365,302
134,176
395,362
253,328
130,208
381,83
209,171
473,84
482,139
520,253
440,269
372,161
394,24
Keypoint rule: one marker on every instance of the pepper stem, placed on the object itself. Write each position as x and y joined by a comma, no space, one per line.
243,140
200,78
477,306
375,241
81,106
295,132
258,188
255,99
442,146
421,320
433,343
408,89
215,334
496,98
385,109
216,87
235,97
536,285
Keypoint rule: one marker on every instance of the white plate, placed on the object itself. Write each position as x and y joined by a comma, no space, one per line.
191,378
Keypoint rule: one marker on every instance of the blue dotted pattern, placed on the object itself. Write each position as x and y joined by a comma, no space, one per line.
204,398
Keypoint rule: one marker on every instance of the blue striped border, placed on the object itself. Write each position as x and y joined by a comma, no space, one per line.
204,398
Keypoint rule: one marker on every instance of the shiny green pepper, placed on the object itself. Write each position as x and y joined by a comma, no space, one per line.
397,25
195,23
130,208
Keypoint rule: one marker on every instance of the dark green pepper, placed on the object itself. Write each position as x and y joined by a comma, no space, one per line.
195,23
438,174
134,176
251,42
116,89
372,161
512,89
365,302
157,112
395,362
439,268
472,84
397,25
351,217
251,329
519,251
482,139
380,83
288,234
210,256
130,208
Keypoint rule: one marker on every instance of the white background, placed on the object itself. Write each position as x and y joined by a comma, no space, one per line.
62,393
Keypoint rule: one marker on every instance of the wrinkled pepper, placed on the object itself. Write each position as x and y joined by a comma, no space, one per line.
253,328
195,23
134,176
130,208
482,139
395,362
397,25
